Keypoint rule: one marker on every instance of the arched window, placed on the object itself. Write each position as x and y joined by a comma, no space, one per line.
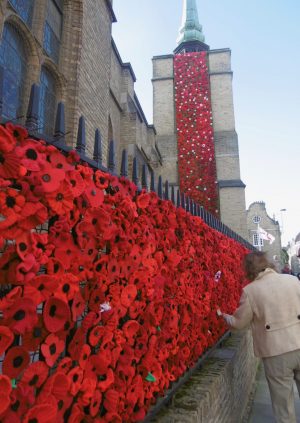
53,28
24,9
47,102
13,62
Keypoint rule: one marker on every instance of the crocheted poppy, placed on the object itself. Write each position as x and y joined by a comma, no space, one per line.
26,269
64,365
45,285
106,380
11,202
32,215
99,363
93,195
10,167
59,161
66,251
78,306
130,330
5,402
101,179
5,386
111,400
42,413
35,375
49,178
56,313
15,361
76,182
21,316
6,338
57,385
68,287
128,295
32,340
31,155
75,346
143,200
61,199
97,297
84,355
95,403
75,377
52,348
7,141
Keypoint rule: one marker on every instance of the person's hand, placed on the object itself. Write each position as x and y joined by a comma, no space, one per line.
228,318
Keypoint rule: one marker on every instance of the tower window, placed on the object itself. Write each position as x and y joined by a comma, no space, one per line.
53,29
24,9
257,241
47,102
13,62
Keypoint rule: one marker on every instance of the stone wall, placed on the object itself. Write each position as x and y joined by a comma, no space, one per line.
232,190
219,392
164,115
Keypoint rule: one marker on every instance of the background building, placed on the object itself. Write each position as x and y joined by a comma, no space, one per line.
257,217
66,47
293,250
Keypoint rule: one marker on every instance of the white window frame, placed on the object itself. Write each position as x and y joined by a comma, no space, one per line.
257,241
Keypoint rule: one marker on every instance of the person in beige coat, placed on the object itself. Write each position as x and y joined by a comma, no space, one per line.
271,305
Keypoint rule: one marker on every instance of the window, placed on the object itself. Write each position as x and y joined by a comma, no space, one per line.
53,29
12,59
256,219
47,103
257,241
24,8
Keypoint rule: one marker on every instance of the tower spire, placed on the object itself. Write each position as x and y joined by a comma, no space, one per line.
190,31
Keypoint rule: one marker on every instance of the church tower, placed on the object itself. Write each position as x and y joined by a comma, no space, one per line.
194,120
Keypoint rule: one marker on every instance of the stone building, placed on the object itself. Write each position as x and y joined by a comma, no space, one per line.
66,47
293,250
231,188
257,217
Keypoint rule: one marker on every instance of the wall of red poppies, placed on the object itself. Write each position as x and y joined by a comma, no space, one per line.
196,153
106,296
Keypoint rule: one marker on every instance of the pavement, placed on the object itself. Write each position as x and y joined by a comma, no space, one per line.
262,408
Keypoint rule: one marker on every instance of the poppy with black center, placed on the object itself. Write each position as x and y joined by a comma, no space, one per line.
56,313
35,375
15,361
6,338
21,316
52,348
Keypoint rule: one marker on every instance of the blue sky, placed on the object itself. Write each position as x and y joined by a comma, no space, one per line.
264,36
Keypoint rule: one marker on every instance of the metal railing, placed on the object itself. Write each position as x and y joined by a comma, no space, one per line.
162,188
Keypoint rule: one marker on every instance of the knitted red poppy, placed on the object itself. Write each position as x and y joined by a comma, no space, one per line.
52,348
6,339
15,361
35,375
56,313
21,316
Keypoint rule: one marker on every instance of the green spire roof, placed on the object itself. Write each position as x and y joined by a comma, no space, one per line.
190,29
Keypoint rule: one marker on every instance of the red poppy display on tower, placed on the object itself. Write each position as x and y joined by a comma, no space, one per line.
104,300
196,152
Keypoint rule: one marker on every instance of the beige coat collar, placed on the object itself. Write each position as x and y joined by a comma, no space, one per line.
264,272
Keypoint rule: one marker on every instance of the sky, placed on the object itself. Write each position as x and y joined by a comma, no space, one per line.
264,38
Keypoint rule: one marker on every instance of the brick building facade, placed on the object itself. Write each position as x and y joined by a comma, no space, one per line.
66,47
257,216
